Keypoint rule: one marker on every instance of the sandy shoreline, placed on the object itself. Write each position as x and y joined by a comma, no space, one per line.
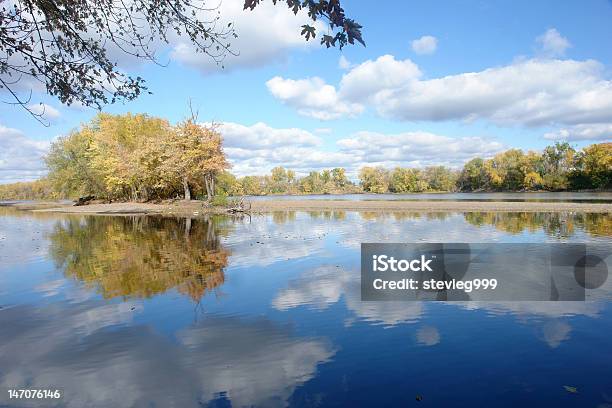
263,206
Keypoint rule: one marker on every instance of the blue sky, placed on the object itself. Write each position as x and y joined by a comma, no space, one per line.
485,76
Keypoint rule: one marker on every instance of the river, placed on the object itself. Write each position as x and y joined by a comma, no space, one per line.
266,311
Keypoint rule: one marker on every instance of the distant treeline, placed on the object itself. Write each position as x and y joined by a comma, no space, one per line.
137,157
557,168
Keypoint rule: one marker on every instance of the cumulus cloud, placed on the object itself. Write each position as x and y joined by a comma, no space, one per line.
315,98
262,136
427,44
552,43
265,34
20,157
372,77
534,92
258,148
416,148
312,97
597,131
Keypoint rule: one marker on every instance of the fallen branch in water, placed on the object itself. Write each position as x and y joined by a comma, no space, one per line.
240,207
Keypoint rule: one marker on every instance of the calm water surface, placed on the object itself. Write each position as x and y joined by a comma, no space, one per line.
162,312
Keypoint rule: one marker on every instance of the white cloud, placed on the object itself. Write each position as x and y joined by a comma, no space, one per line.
556,332
261,136
415,149
45,111
344,63
425,45
265,34
20,157
258,148
231,353
533,92
372,77
312,97
598,131
552,44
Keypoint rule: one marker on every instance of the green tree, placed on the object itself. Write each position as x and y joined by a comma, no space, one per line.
473,176
558,161
279,180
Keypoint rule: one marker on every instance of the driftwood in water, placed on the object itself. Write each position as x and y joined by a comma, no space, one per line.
84,200
240,207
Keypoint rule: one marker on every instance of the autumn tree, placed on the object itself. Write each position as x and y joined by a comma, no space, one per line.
339,178
120,153
71,47
312,183
404,180
251,185
440,178
194,154
69,164
374,179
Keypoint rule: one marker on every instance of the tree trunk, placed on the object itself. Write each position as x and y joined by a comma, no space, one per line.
187,190
208,182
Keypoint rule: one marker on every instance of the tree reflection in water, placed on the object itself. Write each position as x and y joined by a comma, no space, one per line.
140,256
561,225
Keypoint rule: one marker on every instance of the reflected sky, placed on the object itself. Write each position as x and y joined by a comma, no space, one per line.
266,311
